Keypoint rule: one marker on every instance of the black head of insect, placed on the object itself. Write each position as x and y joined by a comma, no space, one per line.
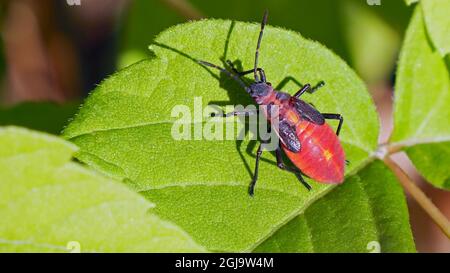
259,90
260,87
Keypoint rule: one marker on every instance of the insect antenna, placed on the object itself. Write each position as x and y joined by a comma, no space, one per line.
231,75
258,46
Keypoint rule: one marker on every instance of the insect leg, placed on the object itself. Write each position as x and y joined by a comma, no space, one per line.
307,88
317,87
337,117
282,166
261,72
231,75
240,113
304,89
251,189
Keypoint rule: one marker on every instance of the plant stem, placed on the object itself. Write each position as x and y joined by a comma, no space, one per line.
419,196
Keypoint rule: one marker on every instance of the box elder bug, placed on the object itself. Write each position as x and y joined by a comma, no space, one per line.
310,143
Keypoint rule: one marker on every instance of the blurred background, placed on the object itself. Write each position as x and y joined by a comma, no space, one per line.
54,52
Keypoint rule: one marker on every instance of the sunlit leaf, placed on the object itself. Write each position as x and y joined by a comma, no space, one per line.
421,114
124,130
437,19
366,212
50,204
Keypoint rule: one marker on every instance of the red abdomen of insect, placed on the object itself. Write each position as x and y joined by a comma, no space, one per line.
321,156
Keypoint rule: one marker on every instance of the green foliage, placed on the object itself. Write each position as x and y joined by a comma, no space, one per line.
371,208
372,41
47,117
421,113
191,195
326,21
202,185
48,203
436,14
144,21
431,160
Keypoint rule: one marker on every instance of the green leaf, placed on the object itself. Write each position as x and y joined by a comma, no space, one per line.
431,160
421,114
48,203
421,90
44,116
437,19
124,130
298,15
368,207
148,18
326,21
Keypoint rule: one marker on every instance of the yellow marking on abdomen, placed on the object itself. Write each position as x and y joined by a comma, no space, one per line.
327,155
292,117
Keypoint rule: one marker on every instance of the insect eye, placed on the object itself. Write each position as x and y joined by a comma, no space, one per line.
269,84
